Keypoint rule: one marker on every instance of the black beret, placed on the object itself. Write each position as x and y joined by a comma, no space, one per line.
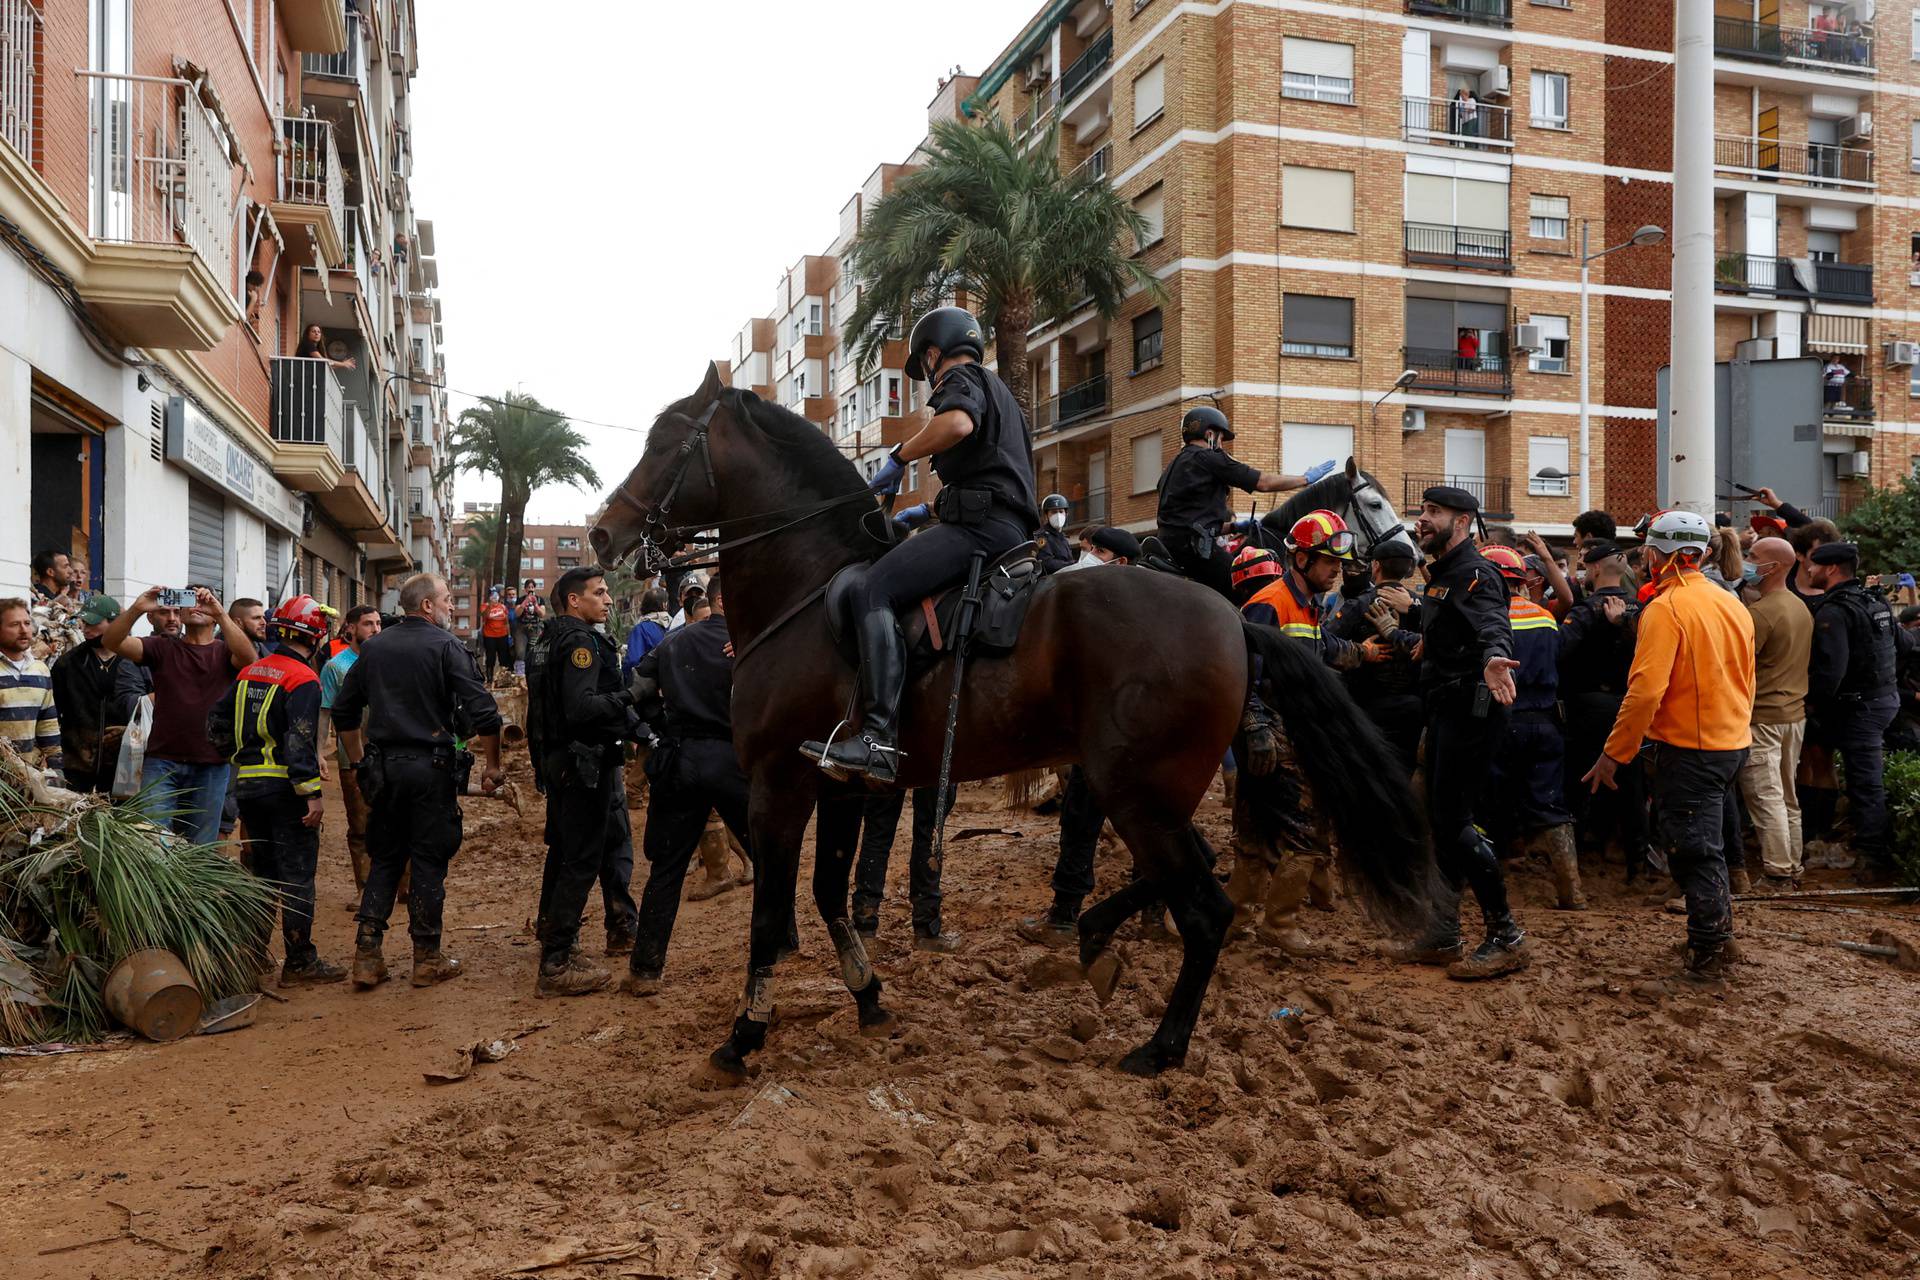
1118,541
1835,553
1452,497
1599,549
1392,549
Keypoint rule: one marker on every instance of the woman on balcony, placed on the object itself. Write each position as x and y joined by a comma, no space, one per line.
314,347
1466,115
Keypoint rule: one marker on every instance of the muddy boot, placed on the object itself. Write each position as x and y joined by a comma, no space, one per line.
1705,967
369,965
640,982
310,970
1504,950
1439,944
1286,894
430,966
619,942
1739,882
1060,927
568,975
1247,884
1320,895
1564,857
939,942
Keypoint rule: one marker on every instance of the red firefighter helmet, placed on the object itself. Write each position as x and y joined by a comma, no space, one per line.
302,616
1508,561
1253,563
1321,533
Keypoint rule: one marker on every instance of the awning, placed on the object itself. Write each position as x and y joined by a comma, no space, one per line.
1837,334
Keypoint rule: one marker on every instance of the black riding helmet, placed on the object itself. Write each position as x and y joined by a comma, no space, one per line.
1054,502
951,329
1203,418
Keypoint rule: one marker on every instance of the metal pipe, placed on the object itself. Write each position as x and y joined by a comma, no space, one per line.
1690,430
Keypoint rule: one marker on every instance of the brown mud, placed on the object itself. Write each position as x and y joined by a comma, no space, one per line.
1390,1123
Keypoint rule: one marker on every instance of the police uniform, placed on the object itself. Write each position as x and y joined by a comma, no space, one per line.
880,822
1193,507
419,691
583,707
1853,694
1595,657
1389,692
1527,784
1464,625
1055,552
267,725
693,771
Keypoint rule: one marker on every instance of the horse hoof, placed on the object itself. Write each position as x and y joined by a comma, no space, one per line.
1147,1060
878,1024
721,1070
1103,975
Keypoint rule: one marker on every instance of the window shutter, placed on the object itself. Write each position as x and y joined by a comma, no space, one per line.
1547,207
1152,206
1306,318
1149,93
1317,57
1480,204
1316,198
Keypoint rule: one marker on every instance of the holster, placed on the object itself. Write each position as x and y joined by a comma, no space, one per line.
963,505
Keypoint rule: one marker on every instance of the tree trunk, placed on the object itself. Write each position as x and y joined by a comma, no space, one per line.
1010,325
498,561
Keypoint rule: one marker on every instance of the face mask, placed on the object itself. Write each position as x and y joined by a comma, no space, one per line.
1751,575
1058,519
1087,559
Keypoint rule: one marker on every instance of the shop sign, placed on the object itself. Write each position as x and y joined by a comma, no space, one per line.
198,444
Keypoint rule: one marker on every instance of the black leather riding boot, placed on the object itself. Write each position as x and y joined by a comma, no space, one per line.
871,754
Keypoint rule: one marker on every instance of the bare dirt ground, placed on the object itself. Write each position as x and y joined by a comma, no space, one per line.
1392,1124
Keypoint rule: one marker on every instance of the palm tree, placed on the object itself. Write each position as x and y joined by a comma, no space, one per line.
478,552
999,223
528,446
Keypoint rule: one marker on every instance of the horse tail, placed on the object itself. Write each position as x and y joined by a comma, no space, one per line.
1385,853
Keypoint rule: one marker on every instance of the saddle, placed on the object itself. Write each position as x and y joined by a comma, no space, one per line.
1154,555
929,627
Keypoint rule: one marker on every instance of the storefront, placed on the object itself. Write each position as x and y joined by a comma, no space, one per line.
241,521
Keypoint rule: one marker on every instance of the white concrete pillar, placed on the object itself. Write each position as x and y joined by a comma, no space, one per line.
16,462
1690,466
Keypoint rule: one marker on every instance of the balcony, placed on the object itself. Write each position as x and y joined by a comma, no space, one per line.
1091,509
307,419
1756,274
314,26
1768,42
1094,167
1441,122
1083,400
1474,247
343,64
1492,491
1855,404
1438,369
1088,66
19,38
1817,164
310,191
1488,13
1039,113
1843,282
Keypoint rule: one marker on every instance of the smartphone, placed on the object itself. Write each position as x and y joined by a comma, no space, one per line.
178,598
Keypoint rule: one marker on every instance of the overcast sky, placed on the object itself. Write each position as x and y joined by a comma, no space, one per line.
615,187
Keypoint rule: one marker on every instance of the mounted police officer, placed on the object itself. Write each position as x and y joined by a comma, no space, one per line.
419,690
267,724
1193,496
982,451
1466,683
1056,553
1852,687
584,712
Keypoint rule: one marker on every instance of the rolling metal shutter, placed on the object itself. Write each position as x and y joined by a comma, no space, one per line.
276,567
207,539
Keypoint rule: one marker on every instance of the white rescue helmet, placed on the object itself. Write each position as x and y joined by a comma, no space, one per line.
1675,532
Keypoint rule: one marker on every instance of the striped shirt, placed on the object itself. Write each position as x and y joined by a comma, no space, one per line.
28,721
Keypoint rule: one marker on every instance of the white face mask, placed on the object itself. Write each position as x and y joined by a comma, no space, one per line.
1087,558
1058,519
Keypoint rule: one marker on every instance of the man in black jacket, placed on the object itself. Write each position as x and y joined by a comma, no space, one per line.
1596,652
1386,684
584,712
1852,695
83,692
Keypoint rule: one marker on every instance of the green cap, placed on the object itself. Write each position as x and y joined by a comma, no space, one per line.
99,609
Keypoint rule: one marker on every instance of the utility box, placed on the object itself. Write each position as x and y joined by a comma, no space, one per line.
1766,430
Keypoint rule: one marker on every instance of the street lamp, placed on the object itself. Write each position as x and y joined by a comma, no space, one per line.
1644,236
1400,383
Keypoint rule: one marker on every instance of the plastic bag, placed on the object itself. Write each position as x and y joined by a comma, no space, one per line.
133,750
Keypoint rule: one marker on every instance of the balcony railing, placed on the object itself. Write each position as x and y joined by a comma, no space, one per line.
1493,13
1438,369
1445,122
307,403
1087,66
1820,163
1855,403
309,167
344,65
1767,42
1459,246
1083,400
1843,282
1045,105
1492,491
19,39
1832,506
165,175
1092,509
1755,273
1094,166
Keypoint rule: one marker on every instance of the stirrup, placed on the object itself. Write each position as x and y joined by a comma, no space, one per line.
842,770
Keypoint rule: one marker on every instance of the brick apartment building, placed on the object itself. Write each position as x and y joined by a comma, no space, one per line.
189,184
549,551
1322,225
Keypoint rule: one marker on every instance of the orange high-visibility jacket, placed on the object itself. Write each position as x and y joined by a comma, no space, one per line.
1692,679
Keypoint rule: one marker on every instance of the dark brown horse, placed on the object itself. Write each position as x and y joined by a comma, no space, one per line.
1139,677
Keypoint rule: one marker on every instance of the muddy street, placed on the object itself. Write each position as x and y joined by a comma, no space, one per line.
1340,1117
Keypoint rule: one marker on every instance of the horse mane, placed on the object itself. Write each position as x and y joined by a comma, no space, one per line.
1328,492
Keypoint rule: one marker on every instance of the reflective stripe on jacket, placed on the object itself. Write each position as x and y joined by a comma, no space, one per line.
266,724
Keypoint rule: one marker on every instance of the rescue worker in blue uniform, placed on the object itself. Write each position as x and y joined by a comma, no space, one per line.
1050,539
982,451
1852,689
267,724
1466,683
1193,507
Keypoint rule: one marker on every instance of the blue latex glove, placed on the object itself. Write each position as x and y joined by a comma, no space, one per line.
911,517
886,480
1319,470
1244,524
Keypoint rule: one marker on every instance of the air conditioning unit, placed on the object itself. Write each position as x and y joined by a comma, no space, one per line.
1497,82
1412,420
1858,463
1526,337
1038,72
1903,353
1857,128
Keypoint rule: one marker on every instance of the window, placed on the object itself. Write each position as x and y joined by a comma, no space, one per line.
1306,444
1547,453
1317,70
537,544
1316,198
464,602
1916,37
567,544
1547,217
1151,205
1552,356
1146,462
1549,100
813,318
1913,144
893,395
1146,341
567,562
1823,246
1443,201
913,475
533,562
1149,94
1314,326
